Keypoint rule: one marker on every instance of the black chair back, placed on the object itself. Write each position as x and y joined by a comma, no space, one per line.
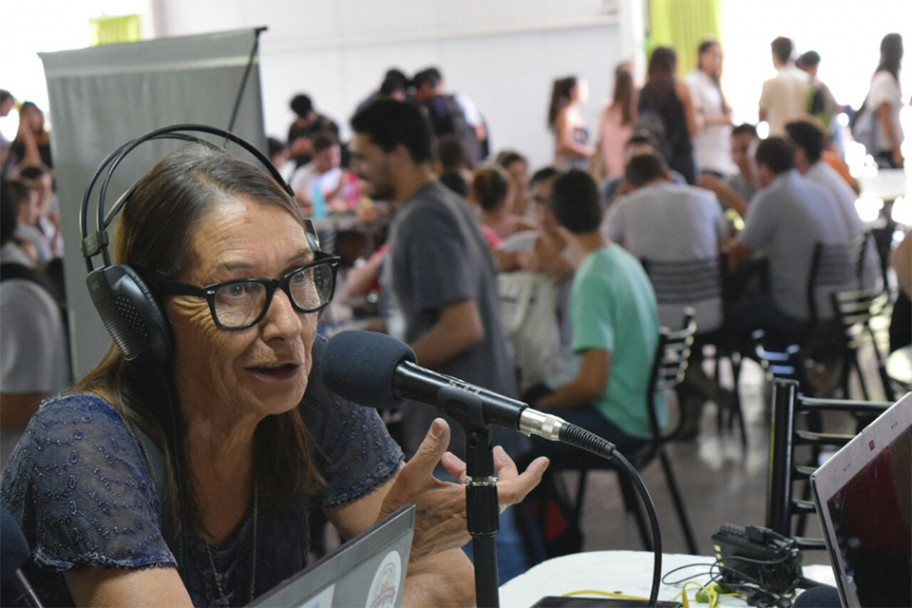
854,311
834,267
789,432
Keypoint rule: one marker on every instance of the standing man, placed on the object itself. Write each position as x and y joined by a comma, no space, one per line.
785,97
440,273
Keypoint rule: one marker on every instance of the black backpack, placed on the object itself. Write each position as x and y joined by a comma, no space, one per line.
448,118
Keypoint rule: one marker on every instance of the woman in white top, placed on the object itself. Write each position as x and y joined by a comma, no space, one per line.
616,124
885,101
712,141
571,136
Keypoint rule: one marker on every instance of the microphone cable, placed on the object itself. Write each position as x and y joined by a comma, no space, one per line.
592,443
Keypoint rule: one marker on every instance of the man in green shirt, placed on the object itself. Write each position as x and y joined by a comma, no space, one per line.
615,325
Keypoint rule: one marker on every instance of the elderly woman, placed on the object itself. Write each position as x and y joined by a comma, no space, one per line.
248,435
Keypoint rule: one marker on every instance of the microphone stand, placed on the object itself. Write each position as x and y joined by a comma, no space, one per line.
482,506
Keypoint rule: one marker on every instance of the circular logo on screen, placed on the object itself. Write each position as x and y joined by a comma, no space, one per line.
385,588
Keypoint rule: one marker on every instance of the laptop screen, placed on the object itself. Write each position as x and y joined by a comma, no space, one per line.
368,570
866,493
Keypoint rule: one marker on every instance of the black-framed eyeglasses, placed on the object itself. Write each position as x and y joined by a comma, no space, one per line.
242,303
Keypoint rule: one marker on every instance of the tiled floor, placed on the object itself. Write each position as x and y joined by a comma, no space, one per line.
720,482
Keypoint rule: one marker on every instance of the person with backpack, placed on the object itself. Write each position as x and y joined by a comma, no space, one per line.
879,116
571,136
451,114
666,110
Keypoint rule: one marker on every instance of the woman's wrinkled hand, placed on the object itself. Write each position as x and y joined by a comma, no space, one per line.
440,522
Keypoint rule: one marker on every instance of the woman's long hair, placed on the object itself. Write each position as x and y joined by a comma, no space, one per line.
155,236
704,47
624,96
561,94
891,52
661,74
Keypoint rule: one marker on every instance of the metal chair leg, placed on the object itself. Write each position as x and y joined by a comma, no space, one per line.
679,503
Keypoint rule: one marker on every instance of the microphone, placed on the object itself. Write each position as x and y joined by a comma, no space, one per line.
378,371
15,551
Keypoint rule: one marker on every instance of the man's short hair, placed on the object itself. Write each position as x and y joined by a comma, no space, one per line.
392,85
809,59
807,136
782,48
745,128
777,154
575,202
5,95
390,123
455,182
430,76
274,146
505,158
642,137
301,105
644,168
324,141
452,154
543,175
11,192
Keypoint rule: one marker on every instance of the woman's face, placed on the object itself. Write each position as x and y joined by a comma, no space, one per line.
33,118
711,60
580,93
233,376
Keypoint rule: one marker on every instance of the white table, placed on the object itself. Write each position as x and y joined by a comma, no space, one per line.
627,572
886,184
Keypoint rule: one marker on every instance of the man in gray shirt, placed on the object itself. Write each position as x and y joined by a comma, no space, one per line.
665,222
440,269
786,218
440,272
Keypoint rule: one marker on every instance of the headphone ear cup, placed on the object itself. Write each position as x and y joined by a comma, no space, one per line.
131,315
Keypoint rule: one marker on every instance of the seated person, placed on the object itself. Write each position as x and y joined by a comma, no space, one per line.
517,167
490,193
33,341
247,433
322,177
615,328
787,218
28,217
810,141
639,143
665,222
736,191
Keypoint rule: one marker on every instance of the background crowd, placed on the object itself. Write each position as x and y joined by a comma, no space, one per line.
543,283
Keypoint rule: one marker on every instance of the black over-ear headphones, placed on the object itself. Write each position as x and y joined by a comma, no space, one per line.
125,303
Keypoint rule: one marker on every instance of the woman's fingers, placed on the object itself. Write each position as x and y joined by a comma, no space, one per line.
454,466
512,489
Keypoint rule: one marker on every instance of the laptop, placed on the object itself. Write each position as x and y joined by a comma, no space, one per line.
863,495
368,570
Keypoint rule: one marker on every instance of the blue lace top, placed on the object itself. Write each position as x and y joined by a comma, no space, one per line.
79,485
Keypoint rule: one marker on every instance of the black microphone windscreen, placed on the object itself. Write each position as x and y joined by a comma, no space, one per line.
15,549
360,365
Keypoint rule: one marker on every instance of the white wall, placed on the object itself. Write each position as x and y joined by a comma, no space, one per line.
501,54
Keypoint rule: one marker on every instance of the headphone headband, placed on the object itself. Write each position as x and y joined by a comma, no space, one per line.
97,242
